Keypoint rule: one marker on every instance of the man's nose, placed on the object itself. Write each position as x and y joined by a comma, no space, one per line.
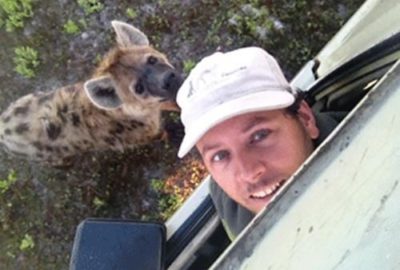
250,168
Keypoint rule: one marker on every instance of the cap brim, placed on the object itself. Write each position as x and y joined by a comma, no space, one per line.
260,101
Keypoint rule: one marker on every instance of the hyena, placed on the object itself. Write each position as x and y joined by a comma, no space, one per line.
118,108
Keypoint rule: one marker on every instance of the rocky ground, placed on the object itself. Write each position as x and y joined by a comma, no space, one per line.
41,206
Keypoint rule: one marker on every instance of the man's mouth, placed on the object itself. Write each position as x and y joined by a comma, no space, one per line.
268,191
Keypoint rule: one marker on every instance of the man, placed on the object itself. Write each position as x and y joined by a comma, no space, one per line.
251,129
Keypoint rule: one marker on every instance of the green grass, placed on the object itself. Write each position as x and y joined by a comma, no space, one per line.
15,11
26,61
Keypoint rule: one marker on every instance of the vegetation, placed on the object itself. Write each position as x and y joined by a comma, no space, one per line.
173,191
131,13
188,65
91,6
27,243
15,11
83,23
97,202
6,183
251,20
26,61
70,27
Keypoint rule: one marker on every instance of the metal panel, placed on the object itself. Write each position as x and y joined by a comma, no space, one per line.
183,213
375,21
340,210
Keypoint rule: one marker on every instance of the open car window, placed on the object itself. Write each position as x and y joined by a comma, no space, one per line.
339,210
343,216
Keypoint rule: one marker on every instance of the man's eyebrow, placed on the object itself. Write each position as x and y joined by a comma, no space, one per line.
254,122
208,147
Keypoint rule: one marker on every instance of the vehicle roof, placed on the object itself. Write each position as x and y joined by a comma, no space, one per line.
374,21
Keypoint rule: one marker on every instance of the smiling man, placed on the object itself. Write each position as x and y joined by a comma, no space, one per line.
251,129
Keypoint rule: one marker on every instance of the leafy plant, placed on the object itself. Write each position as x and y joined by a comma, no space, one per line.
169,204
131,13
5,184
188,65
70,27
98,202
91,6
26,243
169,200
172,192
251,20
157,23
83,22
26,60
157,185
16,11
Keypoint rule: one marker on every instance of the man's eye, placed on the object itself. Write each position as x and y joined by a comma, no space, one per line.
219,156
259,135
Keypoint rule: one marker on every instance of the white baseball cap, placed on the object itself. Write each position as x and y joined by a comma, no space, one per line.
224,85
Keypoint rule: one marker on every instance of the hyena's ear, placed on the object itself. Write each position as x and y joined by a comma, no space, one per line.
127,35
102,93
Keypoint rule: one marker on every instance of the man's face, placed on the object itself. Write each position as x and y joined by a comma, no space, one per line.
250,156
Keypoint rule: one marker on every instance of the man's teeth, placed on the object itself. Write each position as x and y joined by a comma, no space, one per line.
268,191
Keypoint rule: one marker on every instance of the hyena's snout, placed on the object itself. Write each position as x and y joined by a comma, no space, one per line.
160,83
171,82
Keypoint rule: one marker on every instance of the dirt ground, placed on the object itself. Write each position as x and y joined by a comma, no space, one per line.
41,206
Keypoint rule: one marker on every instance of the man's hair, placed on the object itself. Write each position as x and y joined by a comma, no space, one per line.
299,97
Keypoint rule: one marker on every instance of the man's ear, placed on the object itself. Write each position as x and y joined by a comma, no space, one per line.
102,93
127,35
307,118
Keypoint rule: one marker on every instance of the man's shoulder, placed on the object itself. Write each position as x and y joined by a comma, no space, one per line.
326,122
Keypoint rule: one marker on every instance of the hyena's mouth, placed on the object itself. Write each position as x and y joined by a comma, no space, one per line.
172,83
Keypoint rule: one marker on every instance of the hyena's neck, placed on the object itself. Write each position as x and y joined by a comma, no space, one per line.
75,96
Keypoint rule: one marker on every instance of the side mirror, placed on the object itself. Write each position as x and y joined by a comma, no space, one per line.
118,244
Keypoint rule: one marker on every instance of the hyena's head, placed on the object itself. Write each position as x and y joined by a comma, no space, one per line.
132,74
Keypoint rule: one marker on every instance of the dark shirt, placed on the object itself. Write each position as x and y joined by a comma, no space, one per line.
235,217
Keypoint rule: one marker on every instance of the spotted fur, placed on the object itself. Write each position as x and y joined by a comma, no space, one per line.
118,108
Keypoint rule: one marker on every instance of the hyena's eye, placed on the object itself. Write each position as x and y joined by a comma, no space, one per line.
151,60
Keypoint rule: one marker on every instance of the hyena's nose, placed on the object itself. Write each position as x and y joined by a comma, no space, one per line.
172,81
